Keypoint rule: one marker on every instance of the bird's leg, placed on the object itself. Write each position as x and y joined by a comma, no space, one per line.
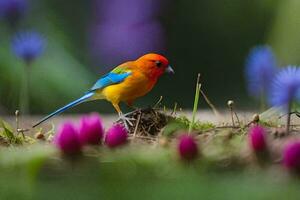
126,120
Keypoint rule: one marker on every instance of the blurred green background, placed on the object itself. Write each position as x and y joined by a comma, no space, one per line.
208,36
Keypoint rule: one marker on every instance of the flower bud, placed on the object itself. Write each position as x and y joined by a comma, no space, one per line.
91,130
67,139
187,147
291,156
117,135
257,138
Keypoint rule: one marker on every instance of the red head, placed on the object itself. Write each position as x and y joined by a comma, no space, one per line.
154,65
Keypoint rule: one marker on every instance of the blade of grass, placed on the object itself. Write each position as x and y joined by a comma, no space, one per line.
196,100
24,92
214,109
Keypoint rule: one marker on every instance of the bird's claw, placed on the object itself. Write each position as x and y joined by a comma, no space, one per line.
126,120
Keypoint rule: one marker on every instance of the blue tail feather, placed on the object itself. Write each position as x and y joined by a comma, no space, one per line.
66,107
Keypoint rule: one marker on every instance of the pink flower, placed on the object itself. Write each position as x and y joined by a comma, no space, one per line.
291,156
91,130
67,139
187,147
117,135
257,138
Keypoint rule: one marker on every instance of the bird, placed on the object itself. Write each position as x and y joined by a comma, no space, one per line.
125,83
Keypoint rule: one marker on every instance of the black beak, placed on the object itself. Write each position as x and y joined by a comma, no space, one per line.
170,70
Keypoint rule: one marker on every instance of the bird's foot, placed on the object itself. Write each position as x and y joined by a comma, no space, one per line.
126,120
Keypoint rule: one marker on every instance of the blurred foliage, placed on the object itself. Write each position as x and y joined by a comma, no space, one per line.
207,36
285,33
130,174
7,133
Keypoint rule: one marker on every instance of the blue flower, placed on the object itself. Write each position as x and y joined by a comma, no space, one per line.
260,69
28,45
285,87
13,10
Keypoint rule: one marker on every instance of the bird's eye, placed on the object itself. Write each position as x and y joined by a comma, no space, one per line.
158,63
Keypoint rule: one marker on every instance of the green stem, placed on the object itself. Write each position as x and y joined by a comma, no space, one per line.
232,119
288,119
196,100
24,94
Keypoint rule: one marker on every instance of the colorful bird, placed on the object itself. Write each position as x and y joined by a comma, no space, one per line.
125,83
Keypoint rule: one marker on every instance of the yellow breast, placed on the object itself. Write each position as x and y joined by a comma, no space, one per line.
136,85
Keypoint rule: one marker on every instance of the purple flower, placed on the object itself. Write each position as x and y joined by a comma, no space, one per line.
137,12
67,139
117,135
28,45
260,69
135,30
285,87
91,129
291,156
13,10
116,43
187,147
257,138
